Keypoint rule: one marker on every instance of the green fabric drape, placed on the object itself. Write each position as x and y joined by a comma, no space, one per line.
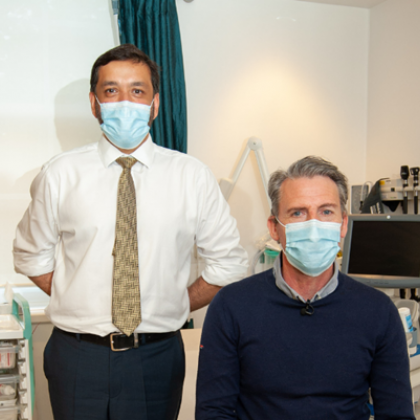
152,25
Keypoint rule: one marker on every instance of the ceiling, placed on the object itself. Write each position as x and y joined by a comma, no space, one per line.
354,3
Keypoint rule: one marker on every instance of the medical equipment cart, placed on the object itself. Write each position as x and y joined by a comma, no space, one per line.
17,389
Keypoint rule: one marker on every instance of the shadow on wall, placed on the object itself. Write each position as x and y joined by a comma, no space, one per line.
74,123
21,184
75,127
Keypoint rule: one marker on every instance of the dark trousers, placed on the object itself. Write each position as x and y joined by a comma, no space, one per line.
91,382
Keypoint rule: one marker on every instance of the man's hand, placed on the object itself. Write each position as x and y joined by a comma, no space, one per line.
201,293
44,282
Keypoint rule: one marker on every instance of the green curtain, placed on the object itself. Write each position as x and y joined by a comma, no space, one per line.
152,25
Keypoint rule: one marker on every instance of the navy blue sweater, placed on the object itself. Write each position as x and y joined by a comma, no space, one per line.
260,359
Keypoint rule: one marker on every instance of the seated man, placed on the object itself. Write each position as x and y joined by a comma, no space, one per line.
303,341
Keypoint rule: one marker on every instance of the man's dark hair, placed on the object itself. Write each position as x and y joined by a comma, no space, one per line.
125,52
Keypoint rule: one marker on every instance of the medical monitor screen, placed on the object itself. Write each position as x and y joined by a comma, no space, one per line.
383,249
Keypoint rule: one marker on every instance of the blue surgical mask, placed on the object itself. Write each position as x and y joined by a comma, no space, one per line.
312,246
125,123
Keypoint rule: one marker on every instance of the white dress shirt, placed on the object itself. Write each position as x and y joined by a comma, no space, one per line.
69,228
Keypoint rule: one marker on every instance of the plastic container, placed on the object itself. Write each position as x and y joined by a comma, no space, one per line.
414,309
5,308
8,390
8,355
9,323
8,413
269,256
405,315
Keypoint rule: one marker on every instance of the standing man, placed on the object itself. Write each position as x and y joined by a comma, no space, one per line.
109,235
304,341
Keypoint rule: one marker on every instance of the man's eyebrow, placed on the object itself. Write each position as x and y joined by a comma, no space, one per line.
138,83
113,83
303,208
109,83
329,205
293,209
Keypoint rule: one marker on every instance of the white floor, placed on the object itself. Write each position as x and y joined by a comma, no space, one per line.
192,347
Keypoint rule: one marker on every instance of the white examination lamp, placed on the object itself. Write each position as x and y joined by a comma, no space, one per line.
253,144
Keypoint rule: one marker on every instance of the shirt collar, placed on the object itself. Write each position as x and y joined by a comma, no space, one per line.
109,153
291,293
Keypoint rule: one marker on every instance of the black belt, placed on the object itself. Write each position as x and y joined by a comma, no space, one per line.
119,341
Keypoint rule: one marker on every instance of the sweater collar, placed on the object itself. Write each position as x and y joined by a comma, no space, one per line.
291,293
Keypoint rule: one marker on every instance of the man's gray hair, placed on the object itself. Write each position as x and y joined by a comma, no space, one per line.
308,167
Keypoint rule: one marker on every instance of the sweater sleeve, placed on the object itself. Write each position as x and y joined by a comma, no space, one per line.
390,373
218,370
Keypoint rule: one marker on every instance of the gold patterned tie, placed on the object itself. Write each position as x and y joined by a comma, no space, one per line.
126,311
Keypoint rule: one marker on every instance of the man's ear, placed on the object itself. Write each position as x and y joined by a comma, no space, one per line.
344,226
156,104
272,228
92,99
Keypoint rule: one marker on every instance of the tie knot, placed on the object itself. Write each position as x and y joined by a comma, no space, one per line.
126,162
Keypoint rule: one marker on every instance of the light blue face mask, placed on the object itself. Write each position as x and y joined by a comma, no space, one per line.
312,246
125,123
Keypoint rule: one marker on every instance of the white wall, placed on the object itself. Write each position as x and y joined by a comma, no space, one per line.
47,49
394,89
291,73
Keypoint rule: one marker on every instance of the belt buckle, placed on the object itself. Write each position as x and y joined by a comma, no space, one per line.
111,338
